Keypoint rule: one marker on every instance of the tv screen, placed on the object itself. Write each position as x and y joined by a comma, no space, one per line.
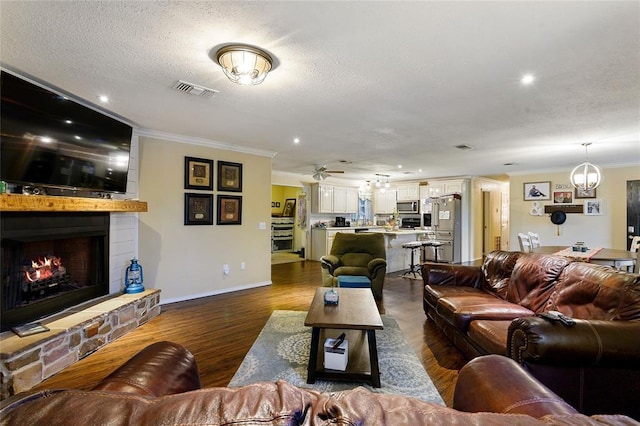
49,140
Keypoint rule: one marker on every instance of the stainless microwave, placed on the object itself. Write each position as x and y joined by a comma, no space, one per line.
408,206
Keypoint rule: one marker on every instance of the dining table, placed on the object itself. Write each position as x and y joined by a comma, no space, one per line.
604,256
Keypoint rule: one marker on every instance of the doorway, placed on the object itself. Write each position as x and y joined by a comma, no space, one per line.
287,237
633,210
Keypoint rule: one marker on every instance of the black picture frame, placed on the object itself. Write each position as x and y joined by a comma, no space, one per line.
229,176
198,209
198,173
229,208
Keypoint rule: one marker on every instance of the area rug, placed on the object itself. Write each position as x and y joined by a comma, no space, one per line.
281,352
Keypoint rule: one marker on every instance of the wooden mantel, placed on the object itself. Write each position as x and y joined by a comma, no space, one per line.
45,203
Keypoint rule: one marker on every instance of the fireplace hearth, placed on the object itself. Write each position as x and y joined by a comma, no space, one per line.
51,261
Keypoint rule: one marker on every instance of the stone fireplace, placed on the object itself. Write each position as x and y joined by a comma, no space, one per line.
51,261
55,255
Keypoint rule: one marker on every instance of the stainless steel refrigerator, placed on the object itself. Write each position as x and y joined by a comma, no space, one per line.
446,218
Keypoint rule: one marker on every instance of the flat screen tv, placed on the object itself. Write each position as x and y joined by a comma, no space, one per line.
51,141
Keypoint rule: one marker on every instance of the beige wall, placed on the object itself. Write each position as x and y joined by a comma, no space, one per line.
608,230
187,261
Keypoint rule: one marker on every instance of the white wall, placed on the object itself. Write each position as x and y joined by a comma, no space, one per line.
608,230
123,231
187,261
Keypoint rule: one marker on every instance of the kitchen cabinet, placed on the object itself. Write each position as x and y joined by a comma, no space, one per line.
282,234
322,240
352,200
333,199
384,201
408,192
321,198
436,189
443,187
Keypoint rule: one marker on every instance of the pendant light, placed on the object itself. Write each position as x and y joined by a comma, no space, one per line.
586,176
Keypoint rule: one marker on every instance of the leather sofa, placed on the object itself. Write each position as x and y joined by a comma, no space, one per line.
357,254
161,385
496,309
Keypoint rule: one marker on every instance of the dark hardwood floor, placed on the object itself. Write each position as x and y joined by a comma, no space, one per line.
219,330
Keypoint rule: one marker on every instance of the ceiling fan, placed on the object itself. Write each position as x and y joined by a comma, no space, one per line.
321,173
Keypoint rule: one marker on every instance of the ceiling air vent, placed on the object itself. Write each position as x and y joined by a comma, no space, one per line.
194,89
464,147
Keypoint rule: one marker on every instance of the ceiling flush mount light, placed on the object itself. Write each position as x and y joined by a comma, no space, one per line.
244,64
586,175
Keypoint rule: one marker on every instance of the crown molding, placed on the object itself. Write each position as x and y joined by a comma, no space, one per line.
172,137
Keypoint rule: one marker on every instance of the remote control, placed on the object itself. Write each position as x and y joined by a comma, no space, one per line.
339,341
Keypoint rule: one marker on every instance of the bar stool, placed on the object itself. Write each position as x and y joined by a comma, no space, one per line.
413,266
431,243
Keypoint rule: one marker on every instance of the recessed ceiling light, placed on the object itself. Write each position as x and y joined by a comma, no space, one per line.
399,166
527,79
420,170
104,99
296,140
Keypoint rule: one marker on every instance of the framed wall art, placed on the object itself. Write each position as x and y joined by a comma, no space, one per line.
585,193
593,207
198,173
229,210
198,209
229,176
537,191
289,207
562,197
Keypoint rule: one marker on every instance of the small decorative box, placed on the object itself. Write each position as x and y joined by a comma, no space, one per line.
336,359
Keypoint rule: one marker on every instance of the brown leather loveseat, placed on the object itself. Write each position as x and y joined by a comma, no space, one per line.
161,386
594,363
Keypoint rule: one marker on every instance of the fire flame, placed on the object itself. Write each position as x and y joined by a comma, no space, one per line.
43,269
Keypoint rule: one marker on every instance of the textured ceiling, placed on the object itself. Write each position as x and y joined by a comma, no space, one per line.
376,84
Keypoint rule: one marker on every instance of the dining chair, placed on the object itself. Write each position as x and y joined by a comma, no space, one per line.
525,242
535,240
636,269
630,265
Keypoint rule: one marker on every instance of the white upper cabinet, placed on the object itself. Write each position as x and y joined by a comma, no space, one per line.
408,192
384,201
333,199
443,187
352,200
339,199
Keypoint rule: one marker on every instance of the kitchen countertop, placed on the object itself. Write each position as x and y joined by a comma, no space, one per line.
375,228
406,231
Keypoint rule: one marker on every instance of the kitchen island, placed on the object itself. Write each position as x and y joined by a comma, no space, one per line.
398,258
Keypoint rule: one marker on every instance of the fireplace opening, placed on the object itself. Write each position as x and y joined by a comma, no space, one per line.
50,262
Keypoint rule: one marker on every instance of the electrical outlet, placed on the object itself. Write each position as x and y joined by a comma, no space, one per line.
226,269
243,265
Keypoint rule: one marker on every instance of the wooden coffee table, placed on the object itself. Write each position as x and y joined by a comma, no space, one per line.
357,316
